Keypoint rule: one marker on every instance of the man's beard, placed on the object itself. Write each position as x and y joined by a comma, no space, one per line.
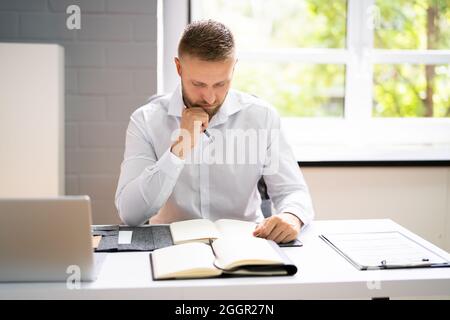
189,104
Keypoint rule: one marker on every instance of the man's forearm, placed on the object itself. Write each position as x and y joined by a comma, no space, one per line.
142,197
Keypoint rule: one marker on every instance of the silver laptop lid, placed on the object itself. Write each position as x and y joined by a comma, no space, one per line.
45,239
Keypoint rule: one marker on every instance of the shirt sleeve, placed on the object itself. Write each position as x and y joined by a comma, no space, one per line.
145,182
286,185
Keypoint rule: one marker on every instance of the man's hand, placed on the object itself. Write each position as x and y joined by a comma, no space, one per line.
281,228
193,122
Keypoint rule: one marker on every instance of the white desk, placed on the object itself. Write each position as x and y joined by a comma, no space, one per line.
322,274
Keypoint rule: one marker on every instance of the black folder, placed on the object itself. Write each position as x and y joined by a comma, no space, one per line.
144,238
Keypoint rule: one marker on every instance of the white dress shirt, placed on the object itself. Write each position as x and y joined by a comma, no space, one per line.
157,185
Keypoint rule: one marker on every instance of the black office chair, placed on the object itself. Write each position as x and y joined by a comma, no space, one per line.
266,204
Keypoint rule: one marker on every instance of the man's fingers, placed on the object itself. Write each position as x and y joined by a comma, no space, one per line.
196,113
276,229
276,233
266,227
288,238
259,228
282,236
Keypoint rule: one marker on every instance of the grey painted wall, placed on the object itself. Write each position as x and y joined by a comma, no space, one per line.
110,66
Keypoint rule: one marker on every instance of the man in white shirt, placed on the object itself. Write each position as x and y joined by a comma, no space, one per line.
200,151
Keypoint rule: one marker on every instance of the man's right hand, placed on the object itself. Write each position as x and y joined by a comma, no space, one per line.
193,122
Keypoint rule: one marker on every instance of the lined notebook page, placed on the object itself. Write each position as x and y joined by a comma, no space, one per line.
184,261
235,228
193,230
232,252
375,249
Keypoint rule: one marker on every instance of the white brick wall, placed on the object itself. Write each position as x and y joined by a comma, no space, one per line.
102,135
104,81
85,108
50,27
24,5
140,27
128,56
131,6
71,81
71,135
93,160
87,6
106,27
84,54
110,71
9,25
120,107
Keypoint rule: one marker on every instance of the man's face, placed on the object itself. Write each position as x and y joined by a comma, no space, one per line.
205,84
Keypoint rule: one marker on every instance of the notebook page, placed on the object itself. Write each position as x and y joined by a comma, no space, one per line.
185,260
233,228
191,230
231,252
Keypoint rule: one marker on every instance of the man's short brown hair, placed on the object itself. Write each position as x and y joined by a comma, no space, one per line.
207,40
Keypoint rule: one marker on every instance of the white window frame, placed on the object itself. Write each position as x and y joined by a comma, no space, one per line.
357,136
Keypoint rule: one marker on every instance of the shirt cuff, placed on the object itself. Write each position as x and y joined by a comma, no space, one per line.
170,164
304,218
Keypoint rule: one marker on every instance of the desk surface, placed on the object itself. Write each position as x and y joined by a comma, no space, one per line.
322,274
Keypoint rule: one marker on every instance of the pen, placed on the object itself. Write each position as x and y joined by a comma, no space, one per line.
207,134
206,131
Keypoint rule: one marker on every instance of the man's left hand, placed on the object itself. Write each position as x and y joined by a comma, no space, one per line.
281,228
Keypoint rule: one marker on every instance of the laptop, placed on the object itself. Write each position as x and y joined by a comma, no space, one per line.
46,239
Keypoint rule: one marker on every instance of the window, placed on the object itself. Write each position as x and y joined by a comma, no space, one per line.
412,89
289,85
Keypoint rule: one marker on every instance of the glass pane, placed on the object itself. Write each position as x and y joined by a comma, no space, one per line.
274,23
409,90
309,90
412,24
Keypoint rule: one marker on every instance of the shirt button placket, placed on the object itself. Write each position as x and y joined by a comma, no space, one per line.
204,178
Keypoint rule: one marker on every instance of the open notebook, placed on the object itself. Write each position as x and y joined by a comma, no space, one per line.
383,250
204,230
230,256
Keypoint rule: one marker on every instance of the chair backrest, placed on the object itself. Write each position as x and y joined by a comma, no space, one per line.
266,204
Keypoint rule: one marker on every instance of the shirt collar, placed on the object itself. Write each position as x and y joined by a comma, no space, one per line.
176,103
231,105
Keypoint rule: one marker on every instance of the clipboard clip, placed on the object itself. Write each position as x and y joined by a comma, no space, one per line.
384,264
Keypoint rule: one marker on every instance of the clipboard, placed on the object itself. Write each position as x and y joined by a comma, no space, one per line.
383,250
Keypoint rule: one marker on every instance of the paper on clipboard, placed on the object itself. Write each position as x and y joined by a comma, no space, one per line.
383,250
